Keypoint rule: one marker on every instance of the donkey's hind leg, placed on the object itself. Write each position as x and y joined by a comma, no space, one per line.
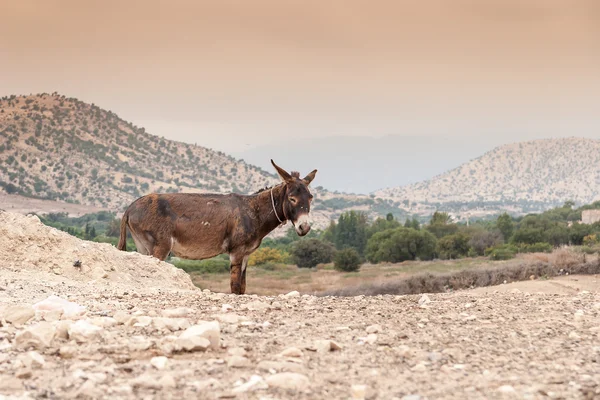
162,248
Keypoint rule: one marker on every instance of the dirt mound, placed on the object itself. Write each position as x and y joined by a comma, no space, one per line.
30,245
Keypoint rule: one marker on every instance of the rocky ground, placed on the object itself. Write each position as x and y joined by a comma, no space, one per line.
120,335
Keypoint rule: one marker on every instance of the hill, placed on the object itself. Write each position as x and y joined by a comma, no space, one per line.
62,149
523,177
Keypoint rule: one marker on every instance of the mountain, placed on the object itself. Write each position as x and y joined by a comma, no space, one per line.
59,148
358,164
524,177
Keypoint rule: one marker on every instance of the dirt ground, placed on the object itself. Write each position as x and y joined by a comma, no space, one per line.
140,336
23,205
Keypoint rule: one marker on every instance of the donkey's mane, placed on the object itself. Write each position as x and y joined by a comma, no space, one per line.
294,174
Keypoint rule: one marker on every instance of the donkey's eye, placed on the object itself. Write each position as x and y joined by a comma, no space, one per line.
293,200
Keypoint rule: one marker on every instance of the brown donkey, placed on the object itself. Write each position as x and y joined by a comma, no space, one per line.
200,226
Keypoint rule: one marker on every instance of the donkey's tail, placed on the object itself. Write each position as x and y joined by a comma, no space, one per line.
123,238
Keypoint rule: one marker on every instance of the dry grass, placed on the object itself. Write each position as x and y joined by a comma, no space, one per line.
532,266
406,277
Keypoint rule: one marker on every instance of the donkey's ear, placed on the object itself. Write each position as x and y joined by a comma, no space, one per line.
309,178
282,172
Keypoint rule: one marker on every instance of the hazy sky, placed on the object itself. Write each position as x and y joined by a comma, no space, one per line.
232,74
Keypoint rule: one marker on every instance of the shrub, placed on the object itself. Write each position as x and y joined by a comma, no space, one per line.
453,246
266,255
400,244
308,253
347,260
503,252
541,247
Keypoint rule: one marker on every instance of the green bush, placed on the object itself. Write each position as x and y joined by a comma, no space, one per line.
400,244
453,246
503,252
310,252
347,260
540,247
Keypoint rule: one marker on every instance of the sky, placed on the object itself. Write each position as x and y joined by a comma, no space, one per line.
236,75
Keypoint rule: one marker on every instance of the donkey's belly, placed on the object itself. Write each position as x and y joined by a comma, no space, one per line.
195,251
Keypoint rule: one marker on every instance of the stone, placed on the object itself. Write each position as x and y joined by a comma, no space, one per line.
238,362
507,389
179,312
256,382
83,331
226,307
325,346
38,336
90,390
67,351
291,352
69,309
208,330
32,360
229,318
139,321
257,306
358,392
424,300
289,380
23,373
374,329
104,322
276,366
146,381
236,351
167,381
294,293
159,362
62,329
171,324
192,343
17,314
121,317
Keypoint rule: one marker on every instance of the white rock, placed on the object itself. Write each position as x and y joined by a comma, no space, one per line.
121,317
69,309
256,306
236,351
192,343
146,381
167,381
104,322
32,360
574,335
325,346
256,382
67,351
508,389
291,352
238,362
424,300
294,293
208,330
374,329
38,336
226,308
17,314
229,318
289,380
139,321
179,312
172,324
82,331
159,362
358,392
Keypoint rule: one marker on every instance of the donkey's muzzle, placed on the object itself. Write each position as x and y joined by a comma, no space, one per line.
303,228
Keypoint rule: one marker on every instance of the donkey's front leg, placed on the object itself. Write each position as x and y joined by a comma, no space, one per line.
237,272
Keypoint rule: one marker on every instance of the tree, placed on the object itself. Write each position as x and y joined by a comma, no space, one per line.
352,231
389,217
380,225
482,239
347,260
441,225
453,246
400,244
310,252
505,225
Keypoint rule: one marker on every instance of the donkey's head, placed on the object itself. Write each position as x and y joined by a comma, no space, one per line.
297,198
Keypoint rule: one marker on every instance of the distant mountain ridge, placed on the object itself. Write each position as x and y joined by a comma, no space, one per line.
544,172
59,148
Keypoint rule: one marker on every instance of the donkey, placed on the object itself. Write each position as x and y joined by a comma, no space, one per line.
199,226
